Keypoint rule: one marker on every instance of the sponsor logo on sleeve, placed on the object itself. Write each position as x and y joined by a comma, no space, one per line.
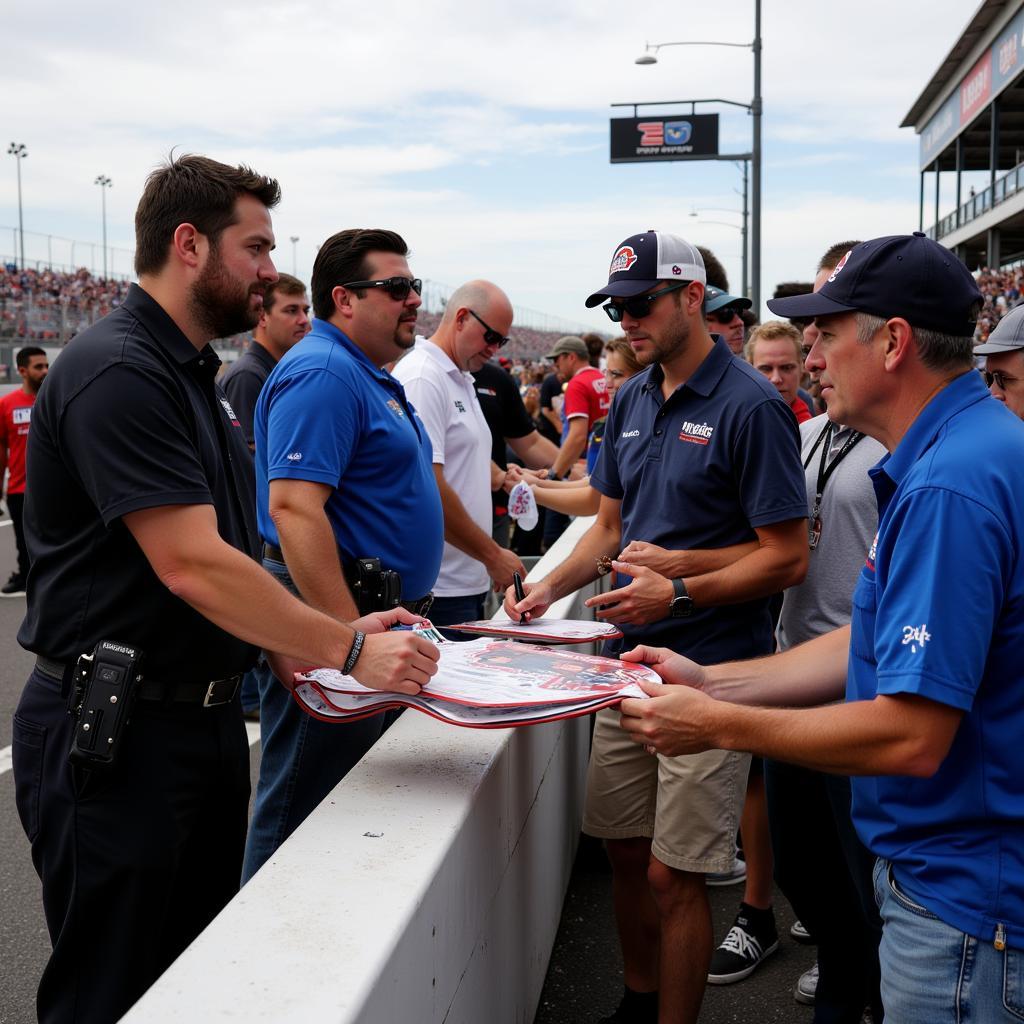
696,433
623,259
870,563
916,636
294,456
231,412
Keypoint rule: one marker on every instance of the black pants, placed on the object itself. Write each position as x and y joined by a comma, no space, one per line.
135,861
825,872
16,507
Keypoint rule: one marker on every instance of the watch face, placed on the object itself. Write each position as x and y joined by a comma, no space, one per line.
681,607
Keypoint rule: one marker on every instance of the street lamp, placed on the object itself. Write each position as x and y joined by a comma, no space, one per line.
295,242
19,152
754,108
104,183
741,228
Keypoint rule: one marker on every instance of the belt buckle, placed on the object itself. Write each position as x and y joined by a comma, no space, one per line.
212,698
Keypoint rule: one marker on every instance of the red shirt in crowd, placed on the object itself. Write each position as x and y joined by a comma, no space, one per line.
586,395
15,414
800,410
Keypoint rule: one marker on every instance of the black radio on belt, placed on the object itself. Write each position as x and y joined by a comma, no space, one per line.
103,689
374,589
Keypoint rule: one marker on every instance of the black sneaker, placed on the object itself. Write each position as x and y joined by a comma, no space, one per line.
14,587
751,939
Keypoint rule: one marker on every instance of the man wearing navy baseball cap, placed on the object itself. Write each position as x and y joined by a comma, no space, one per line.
703,505
1004,361
931,662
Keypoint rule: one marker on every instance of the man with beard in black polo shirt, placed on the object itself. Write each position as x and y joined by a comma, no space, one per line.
141,527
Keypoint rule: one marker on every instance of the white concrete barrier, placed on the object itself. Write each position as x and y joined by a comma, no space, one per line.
427,887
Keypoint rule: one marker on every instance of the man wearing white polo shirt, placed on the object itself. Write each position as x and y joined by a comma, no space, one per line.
436,376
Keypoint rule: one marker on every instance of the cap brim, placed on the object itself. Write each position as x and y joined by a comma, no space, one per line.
723,300
624,289
808,306
994,348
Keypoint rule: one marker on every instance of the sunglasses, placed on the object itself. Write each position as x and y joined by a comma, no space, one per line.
999,377
638,306
723,316
491,336
397,287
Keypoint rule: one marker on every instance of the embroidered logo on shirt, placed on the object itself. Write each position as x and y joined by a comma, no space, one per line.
915,635
231,412
631,433
695,433
459,406
870,563
294,456
396,408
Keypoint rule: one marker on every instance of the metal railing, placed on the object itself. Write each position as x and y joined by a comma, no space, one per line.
980,202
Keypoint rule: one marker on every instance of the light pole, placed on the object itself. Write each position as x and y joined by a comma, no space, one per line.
295,242
741,228
755,109
104,183
19,152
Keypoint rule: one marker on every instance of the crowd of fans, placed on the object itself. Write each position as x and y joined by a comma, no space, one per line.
1002,290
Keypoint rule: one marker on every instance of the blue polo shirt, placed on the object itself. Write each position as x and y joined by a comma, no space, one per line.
328,415
701,469
939,612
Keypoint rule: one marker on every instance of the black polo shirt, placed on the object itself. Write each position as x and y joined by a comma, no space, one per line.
130,418
701,469
243,381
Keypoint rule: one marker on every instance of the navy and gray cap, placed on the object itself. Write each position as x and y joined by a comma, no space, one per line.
909,276
1007,336
641,261
716,299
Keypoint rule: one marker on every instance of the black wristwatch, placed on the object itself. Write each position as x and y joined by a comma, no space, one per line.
682,604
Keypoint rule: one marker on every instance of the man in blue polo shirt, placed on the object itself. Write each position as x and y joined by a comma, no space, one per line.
934,713
703,503
343,473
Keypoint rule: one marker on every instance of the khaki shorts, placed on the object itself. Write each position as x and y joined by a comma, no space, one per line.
689,806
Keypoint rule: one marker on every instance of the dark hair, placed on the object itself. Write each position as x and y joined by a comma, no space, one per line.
284,285
595,346
192,190
343,258
713,268
21,360
834,253
787,289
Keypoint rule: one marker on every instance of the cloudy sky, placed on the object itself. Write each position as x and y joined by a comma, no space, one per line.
479,131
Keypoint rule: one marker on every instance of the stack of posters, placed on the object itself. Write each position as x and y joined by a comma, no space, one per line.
486,684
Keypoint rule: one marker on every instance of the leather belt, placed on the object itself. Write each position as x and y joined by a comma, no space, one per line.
418,607
208,693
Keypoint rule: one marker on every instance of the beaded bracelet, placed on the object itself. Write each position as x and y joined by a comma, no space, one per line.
353,655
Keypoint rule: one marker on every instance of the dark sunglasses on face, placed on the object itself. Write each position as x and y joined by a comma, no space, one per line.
723,316
1001,379
397,287
491,336
638,306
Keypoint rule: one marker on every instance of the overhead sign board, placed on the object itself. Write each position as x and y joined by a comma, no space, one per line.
640,139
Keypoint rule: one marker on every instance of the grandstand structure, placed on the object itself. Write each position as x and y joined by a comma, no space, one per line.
970,122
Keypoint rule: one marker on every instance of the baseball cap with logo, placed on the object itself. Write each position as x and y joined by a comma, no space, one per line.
570,343
641,261
909,276
716,299
1006,336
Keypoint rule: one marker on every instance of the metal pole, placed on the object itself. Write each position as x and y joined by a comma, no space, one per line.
295,240
746,225
755,289
19,152
104,183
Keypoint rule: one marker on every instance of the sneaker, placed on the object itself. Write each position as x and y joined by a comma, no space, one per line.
736,874
798,933
807,987
750,941
14,587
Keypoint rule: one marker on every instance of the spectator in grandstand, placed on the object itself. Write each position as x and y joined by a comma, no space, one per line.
726,450
15,419
774,349
1004,361
437,377
283,322
931,667
722,312
342,474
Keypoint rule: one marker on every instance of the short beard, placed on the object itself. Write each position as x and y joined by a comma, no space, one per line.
217,303
666,349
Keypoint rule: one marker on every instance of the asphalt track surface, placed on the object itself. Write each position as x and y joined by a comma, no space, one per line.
584,976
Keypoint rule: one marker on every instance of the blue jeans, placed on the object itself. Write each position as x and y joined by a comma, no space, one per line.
464,608
302,759
934,974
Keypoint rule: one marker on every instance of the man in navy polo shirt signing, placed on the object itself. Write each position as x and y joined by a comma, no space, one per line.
931,660
702,500
343,473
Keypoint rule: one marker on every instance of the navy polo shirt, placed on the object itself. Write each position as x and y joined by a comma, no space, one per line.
939,612
701,469
130,418
243,380
328,415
